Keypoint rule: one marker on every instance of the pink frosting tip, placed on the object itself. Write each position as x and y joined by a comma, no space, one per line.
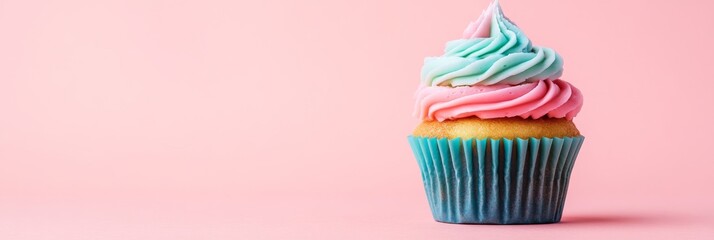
555,99
481,28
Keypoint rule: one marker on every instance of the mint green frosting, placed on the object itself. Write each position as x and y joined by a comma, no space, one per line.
505,57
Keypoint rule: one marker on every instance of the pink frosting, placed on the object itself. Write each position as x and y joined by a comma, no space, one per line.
556,99
481,28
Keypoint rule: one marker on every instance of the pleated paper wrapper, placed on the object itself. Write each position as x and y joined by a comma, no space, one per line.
496,181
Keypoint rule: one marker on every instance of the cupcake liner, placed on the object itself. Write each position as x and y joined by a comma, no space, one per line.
496,181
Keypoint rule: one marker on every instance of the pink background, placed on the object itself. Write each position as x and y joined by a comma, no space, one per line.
280,119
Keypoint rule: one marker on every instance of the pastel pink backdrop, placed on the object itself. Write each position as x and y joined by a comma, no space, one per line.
288,119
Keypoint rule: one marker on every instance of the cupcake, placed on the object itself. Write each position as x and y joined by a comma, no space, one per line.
497,143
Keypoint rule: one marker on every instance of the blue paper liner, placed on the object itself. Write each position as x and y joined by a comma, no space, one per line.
496,181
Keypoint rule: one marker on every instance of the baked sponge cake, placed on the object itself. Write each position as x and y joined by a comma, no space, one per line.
496,128
497,142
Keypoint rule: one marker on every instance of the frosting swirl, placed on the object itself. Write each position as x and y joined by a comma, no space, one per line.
493,51
556,99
